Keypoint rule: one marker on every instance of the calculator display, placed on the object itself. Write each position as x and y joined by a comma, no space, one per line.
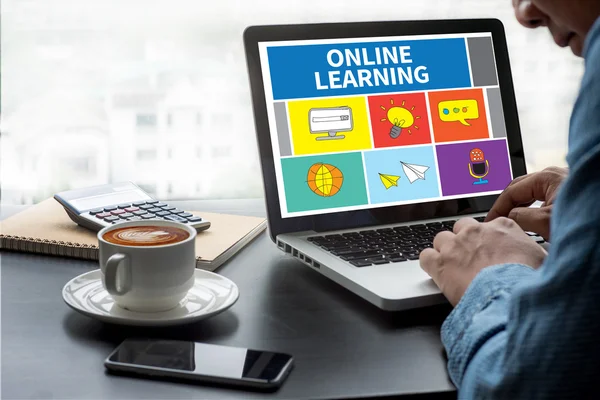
99,201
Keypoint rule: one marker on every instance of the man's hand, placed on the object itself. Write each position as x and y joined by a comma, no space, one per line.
514,202
457,257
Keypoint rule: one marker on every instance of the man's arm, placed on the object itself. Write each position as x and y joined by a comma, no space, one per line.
519,333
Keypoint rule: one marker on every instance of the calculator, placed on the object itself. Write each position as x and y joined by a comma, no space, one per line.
96,207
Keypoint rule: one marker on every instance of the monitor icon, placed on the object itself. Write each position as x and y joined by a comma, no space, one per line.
330,120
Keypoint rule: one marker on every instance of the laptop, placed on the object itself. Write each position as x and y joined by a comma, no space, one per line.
375,136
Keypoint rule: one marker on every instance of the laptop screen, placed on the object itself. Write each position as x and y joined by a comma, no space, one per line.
365,123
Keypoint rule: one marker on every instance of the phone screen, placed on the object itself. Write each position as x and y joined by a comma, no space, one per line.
195,358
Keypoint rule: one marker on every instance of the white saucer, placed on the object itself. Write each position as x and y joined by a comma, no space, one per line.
211,294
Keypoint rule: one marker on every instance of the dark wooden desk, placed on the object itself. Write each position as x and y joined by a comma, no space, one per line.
343,346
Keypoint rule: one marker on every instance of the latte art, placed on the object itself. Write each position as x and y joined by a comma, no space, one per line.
149,235
145,236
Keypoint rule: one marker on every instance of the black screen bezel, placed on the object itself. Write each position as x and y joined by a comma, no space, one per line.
379,215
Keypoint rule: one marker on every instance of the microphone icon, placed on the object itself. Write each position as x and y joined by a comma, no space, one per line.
479,167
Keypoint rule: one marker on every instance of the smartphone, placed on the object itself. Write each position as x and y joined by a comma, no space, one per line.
202,362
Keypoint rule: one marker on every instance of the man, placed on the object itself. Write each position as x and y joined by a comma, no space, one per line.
526,324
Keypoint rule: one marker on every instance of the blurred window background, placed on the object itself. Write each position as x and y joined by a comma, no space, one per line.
156,92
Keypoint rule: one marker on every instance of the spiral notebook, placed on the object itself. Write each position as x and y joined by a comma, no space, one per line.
45,228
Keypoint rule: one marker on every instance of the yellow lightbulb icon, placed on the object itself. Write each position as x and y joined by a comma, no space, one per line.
400,118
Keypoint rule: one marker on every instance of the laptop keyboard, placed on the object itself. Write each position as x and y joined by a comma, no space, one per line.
386,245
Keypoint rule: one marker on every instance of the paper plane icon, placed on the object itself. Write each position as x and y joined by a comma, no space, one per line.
413,171
389,180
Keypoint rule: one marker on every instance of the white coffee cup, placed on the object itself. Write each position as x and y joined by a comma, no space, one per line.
149,278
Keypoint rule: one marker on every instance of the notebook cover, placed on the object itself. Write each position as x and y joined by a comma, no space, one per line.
46,228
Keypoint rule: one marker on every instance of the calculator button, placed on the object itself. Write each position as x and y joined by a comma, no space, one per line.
186,215
103,215
96,211
139,203
155,210
175,218
140,212
160,205
163,213
126,215
169,208
111,219
131,209
135,219
148,216
152,202
125,205
177,211
111,208
146,206
194,219
117,212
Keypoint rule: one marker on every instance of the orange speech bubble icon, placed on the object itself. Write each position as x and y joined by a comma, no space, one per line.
458,110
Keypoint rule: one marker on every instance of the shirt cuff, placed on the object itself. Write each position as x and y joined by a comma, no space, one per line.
491,283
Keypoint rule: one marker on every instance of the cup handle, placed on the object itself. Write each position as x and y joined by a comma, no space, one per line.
112,267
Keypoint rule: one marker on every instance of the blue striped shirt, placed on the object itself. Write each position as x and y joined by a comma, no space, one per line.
520,333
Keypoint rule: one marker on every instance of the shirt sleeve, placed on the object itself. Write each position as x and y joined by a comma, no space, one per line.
524,334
